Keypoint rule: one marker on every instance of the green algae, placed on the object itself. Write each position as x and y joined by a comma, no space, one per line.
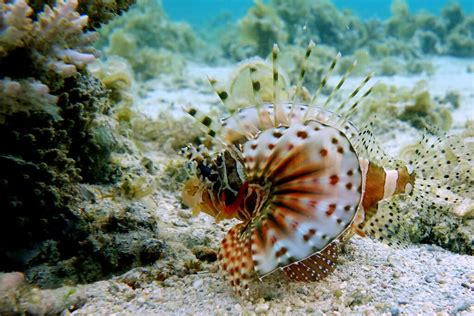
414,106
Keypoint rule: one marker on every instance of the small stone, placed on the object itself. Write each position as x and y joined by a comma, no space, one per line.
464,306
394,311
298,302
262,308
237,308
310,309
302,290
184,214
65,312
198,283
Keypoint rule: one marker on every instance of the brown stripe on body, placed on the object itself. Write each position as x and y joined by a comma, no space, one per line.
374,186
404,178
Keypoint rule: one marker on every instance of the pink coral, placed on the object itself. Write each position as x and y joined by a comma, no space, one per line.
56,41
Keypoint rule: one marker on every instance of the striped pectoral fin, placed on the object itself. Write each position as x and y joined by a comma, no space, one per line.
235,258
315,267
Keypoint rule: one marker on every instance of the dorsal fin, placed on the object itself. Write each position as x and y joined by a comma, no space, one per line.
210,126
348,112
256,86
279,116
365,142
301,75
339,85
325,78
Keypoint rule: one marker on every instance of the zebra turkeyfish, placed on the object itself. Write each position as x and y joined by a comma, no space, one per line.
301,178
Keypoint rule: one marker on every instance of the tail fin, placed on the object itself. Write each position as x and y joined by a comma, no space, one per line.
442,194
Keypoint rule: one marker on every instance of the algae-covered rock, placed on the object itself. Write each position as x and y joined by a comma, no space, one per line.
414,106
261,28
401,24
452,15
461,40
423,113
149,41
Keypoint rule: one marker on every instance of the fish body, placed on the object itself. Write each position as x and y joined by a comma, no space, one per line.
300,178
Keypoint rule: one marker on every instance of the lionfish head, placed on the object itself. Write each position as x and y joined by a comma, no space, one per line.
217,185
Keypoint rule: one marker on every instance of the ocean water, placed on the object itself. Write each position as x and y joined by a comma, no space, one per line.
197,13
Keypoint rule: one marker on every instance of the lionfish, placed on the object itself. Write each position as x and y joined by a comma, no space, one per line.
301,178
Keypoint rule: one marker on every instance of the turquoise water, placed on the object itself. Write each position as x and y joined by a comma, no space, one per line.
197,13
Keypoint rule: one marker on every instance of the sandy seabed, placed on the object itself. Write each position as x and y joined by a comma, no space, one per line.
371,278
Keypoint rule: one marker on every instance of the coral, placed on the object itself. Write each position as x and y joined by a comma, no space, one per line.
425,21
292,12
461,40
261,28
389,66
322,22
18,297
117,76
51,47
401,24
428,42
25,95
453,98
149,41
98,11
452,15
58,141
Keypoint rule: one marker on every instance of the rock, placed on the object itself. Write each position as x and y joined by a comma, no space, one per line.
205,253
11,281
186,214
9,285
298,302
394,311
262,308
198,283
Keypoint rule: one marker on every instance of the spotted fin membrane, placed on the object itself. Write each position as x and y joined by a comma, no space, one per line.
302,178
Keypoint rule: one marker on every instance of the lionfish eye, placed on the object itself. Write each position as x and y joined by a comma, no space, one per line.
229,197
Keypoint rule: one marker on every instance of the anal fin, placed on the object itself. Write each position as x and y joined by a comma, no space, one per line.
315,267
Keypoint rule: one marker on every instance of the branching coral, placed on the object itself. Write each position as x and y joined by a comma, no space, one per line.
55,43
25,95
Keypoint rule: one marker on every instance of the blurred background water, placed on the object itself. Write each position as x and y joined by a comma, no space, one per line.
199,13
